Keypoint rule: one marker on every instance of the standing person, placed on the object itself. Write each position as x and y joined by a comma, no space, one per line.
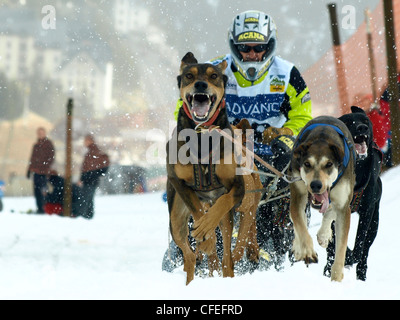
272,95
95,164
42,157
384,104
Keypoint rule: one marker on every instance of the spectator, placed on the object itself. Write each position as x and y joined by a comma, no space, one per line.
378,116
384,104
95,164
55,198
42,157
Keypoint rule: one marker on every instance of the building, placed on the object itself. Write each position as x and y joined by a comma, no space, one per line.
83,77
63,55
129,17
22,57
17,56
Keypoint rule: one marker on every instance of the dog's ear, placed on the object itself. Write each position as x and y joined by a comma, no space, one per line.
188,59
222,66
355,109
338,152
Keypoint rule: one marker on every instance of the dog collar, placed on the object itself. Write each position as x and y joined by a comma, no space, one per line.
211,120
347,147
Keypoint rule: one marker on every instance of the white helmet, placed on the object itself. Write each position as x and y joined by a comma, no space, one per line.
253,27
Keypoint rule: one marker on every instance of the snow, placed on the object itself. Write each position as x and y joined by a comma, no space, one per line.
118,255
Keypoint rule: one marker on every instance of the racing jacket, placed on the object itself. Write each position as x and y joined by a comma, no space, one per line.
280,98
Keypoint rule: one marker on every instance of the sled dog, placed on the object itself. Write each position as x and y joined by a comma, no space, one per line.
202,180
367,192
324,158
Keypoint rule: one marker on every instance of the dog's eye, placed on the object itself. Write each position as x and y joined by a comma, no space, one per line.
307,164
189,76
214,76
329,164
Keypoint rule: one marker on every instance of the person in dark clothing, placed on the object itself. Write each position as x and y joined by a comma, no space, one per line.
42,157
57,195
54,200
95,165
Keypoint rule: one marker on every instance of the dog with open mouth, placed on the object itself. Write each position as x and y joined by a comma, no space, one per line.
203,180
324,158
367,191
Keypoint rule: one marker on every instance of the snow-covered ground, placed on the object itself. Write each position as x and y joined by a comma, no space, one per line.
118,255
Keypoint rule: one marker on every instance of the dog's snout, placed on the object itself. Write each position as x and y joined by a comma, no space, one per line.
362,129
316,186
201,85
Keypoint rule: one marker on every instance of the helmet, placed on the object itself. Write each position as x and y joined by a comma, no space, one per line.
252,27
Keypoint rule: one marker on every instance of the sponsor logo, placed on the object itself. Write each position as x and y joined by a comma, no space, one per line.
251,36
277,85
256,111
289,142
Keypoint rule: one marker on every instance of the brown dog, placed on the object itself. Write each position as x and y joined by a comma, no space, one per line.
202,177
324,158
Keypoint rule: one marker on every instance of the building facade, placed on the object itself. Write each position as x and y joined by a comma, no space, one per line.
21,58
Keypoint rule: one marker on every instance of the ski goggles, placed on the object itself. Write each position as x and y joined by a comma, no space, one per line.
258,48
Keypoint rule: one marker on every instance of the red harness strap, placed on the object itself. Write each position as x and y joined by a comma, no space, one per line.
211,120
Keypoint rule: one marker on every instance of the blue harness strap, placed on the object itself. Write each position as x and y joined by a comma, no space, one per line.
347,146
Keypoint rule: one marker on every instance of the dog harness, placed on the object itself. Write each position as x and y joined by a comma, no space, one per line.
347,147
205,178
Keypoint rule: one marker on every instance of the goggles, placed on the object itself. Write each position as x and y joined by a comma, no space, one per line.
258,48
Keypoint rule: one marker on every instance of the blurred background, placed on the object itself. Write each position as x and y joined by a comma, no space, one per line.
119,60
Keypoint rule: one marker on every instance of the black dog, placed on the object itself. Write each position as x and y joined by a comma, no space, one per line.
367,192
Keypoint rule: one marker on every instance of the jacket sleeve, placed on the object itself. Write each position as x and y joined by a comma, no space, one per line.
297,104
179,104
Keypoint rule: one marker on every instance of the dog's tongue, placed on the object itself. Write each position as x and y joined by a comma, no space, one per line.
324,199
200,108
361,148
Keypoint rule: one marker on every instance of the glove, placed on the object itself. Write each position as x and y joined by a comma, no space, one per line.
271,133
28,174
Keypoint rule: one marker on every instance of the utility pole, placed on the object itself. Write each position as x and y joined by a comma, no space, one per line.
392,78
67,206
339,63
371,54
